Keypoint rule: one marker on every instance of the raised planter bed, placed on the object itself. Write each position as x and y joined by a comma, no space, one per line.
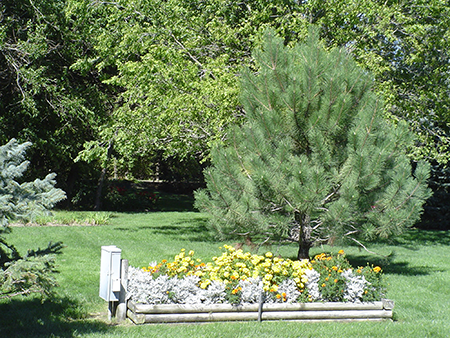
114,281
141,313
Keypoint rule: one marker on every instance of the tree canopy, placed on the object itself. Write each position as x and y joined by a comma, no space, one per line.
42,99
137,86
175,64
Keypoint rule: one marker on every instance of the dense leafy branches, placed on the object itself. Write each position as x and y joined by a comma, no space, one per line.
42,99
404,44
175,65
315,161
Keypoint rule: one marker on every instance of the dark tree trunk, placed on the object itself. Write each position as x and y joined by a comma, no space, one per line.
304,238
101,180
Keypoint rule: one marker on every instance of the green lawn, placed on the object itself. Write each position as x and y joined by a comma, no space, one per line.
418,274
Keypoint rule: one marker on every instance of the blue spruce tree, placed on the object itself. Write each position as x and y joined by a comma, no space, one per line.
24,201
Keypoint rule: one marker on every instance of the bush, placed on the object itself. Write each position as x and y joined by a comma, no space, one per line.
124,196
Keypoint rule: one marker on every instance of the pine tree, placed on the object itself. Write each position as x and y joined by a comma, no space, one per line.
314,162
31,273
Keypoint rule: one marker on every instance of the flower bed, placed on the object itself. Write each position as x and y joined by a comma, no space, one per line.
242,286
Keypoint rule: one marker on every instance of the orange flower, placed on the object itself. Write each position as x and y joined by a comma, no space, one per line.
377,269
236,290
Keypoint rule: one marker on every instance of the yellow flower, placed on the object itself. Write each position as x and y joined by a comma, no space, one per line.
377,269
269,254
268,276
341,252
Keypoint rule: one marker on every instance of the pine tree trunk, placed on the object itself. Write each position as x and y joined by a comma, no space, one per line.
304,238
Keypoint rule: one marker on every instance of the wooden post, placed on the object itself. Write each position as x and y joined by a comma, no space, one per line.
121,311
260,305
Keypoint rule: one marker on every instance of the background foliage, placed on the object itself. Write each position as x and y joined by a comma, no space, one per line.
155,82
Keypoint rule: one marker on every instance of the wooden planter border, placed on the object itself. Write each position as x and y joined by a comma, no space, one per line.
178,313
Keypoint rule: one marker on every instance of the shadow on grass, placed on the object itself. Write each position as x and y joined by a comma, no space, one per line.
414,237
414,240
191,229
175,202
390,266
59,317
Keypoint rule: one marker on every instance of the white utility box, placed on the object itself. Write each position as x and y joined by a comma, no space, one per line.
110,273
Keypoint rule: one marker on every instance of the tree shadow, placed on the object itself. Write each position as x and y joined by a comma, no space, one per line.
192,229
414,237
390,266
175,202
59,317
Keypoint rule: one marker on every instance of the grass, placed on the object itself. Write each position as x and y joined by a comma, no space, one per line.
417,268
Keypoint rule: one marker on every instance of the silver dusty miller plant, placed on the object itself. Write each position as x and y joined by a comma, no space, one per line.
143,288
355,286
